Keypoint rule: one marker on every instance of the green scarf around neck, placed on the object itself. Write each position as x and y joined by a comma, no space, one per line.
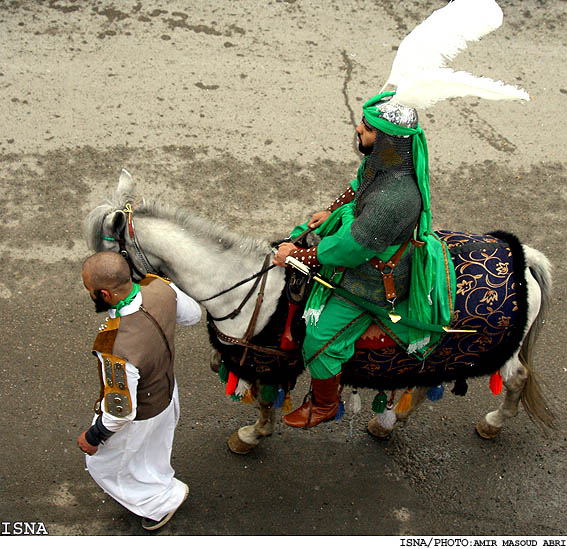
127,300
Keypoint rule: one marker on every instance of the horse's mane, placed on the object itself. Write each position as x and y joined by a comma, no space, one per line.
196,226
199,227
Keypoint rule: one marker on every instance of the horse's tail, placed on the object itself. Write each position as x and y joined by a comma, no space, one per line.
532,396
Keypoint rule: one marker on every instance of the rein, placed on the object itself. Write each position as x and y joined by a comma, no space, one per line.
236,311
259,273
263,271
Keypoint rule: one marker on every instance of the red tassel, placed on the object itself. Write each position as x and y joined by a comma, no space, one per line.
287,343
496,383
231,384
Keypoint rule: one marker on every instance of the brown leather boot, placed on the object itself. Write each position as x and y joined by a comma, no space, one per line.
322,406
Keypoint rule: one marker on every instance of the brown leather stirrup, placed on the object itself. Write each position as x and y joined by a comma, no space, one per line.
322,405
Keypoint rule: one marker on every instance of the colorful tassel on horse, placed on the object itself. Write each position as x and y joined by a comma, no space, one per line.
496,383
279,400
223,373
248,397
231,384
241,388
268,393
287,342
379,403
461,387
404,404
287,407
435,393
387,418
354,404
340,411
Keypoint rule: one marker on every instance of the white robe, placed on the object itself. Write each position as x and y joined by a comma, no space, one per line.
134,465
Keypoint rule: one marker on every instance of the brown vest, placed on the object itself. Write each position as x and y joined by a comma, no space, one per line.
146,339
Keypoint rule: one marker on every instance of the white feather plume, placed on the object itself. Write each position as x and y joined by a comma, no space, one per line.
444,34
420,70
426,89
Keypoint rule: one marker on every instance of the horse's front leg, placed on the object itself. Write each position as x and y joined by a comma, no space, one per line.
491,424
247,438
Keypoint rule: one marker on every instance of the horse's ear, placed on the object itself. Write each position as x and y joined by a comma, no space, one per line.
115,222
125,183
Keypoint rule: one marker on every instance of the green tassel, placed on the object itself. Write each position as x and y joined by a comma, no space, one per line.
223,373
269,393
236,398
379,402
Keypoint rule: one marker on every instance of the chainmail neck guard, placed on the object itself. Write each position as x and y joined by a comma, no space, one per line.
391,156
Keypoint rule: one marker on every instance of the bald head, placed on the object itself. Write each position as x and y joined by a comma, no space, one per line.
108,270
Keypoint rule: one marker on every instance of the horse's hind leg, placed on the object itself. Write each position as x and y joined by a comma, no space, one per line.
247,438
518,372
491,424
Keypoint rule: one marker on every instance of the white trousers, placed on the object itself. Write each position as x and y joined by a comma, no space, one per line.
134,465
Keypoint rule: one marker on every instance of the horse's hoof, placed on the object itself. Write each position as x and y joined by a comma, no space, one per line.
238,446
486,431
378,431
215,361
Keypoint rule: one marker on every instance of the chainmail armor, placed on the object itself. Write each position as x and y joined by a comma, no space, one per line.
387,209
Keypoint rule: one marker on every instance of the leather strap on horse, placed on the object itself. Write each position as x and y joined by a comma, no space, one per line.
247,344
386,268
252,324
265,268
236,311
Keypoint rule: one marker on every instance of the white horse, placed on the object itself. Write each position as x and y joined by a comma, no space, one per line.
210,264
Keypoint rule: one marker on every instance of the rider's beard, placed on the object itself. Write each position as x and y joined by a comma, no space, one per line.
364,150
101,306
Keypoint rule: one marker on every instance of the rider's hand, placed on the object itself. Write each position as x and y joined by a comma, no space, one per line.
284,249
318,219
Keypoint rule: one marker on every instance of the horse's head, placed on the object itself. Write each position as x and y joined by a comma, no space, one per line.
110,227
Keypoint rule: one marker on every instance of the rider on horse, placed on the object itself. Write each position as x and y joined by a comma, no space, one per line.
377,247
376,239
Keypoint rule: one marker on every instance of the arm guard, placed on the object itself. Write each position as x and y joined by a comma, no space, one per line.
97,433
346,197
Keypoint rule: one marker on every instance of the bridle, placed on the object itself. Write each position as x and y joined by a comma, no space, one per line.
121,240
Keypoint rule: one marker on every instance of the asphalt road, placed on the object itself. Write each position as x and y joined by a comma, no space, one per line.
244,112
